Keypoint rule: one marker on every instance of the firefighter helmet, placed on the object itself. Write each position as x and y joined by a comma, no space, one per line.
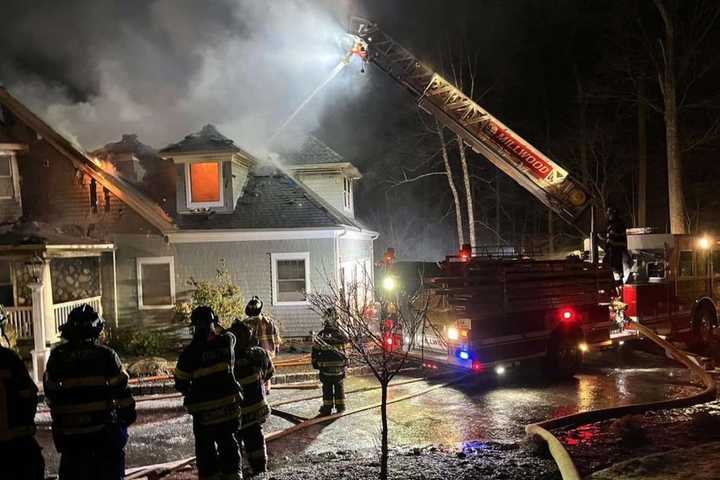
254,307
203,316
83,323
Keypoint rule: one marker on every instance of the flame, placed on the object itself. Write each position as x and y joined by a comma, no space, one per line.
106,166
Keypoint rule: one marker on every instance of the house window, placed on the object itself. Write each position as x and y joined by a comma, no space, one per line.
687,264
204,185
347,193
290,278
156,282
7,177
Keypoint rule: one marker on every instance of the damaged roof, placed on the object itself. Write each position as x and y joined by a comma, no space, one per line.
39,233
271,200
311,152
119,187
208,139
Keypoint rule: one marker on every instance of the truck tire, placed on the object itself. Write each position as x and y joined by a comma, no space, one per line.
704,321
564,357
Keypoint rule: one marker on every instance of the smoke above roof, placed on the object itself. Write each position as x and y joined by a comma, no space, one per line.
163,68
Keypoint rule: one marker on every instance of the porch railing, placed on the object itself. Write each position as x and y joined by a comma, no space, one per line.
22,322
20,319
61,310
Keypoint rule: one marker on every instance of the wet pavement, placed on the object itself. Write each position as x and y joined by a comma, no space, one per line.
478,408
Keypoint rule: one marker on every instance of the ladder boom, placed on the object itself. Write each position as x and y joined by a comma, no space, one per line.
485,134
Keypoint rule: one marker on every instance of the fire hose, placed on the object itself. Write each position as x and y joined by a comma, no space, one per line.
165,468
562,458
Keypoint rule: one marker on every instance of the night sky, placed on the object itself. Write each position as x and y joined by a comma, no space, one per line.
97,69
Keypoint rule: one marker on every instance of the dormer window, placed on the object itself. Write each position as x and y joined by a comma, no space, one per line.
8,176
204,184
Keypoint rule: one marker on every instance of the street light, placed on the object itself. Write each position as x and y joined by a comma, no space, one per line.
389,283
704,243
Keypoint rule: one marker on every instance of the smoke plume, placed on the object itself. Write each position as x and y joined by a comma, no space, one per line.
95,69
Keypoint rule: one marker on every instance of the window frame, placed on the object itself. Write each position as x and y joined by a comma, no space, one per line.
347,193
693,266
14,180
188,185
140,261
274,258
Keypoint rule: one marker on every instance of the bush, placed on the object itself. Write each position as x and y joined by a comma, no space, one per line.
220,294
141,343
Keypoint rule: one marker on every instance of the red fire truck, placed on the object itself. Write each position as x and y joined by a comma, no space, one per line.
496,308
674,286
490,311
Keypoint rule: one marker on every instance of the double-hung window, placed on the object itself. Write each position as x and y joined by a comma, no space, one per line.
156,283
8,176
290,278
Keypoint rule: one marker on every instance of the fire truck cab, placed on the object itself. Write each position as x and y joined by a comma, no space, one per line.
674,286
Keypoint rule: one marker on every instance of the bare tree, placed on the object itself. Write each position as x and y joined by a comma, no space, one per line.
381,332
668,88
451,183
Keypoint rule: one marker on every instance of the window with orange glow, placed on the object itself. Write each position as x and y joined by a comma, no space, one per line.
205,182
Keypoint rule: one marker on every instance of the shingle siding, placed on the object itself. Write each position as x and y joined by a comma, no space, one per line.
249,264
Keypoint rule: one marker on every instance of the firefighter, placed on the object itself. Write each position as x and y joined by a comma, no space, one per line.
253,368
204,375
20,454
262,326
328,356
616,246
90,401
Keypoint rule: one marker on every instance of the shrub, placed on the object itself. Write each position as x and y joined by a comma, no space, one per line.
141,343
220,294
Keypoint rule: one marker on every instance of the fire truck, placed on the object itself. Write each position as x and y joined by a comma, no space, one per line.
673,286
492,309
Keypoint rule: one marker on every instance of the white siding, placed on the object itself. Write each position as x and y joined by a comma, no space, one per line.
330,187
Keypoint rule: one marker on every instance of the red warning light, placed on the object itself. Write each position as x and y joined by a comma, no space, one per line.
567,315
477,366
465,252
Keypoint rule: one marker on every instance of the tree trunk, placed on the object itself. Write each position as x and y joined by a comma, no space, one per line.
551,233
451,183
642,156
384,432
498,178
468,192
676,197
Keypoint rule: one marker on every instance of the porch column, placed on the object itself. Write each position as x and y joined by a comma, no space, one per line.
51,333
40,353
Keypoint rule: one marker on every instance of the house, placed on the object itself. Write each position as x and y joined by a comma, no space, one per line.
126,228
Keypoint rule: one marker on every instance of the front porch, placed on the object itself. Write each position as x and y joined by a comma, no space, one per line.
21,318
44,274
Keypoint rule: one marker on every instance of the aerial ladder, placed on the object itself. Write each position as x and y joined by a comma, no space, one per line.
485,134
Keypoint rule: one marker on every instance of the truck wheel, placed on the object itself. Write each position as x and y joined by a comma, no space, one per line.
563,357
703,324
